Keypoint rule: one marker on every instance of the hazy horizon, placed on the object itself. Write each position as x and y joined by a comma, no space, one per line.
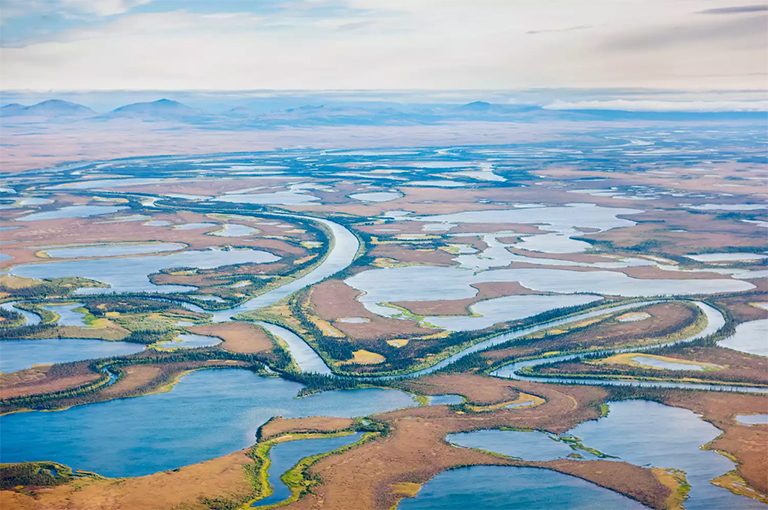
683,45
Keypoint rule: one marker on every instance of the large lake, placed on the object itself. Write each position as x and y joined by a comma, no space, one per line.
132,274
20,354
508,488
210,413
675,437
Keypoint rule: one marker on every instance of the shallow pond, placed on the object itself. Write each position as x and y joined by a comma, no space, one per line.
438,400
67,314
235,230
190,341
376,196
20,354
727,257
506,488
497,254
630,427
634,317
507,308
73,211
559,218
729,207
132,274
298,197
194,226
109,183
750,337
210,413
648,361
423,283
753,419
284,456
354,320
111,250
437,184
126,219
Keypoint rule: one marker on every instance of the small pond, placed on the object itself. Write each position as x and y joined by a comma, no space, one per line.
73,211
285,455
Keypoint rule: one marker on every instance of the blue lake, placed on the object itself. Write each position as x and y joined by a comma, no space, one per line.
132,274
111,250
507,488
640,432
73,211
210,413
20,354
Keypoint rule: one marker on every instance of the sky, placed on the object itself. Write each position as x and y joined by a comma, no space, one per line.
231,45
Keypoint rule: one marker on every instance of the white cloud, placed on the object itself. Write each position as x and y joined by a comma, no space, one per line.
662,106
102,7
392,44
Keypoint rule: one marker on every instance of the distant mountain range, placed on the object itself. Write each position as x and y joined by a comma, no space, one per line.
56,110
164,108
50,108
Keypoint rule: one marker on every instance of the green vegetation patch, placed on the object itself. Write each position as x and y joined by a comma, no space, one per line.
36,474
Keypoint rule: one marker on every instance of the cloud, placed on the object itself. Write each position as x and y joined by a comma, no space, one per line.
713,33
735,10
554,30
389,44
662,106
103,7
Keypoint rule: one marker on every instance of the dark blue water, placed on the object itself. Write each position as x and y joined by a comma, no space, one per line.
208,414
651,434
640,432
286,455
507,488
20,354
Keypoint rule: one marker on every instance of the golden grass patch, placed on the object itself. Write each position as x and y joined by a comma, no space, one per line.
364,357
630,358
17,282
407,489
522,398
674,480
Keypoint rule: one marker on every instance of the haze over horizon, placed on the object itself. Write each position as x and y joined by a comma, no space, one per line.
684,47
